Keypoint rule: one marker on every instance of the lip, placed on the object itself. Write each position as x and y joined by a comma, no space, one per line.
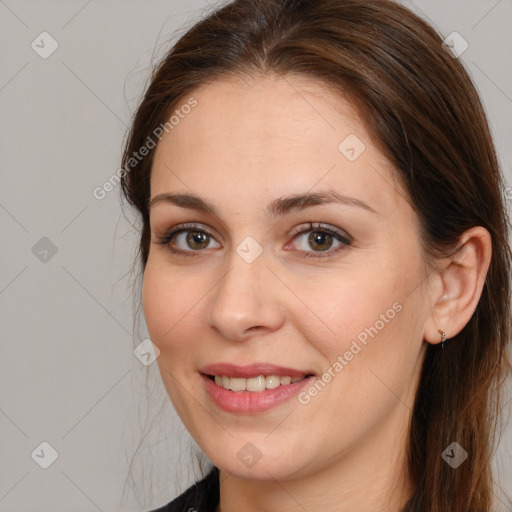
249,401
252,370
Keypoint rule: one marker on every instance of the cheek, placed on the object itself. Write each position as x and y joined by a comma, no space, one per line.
170,304
340,311
368,320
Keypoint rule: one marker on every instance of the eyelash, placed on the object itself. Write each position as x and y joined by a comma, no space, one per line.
166,239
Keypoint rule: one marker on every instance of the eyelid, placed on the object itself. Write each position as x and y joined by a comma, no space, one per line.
167,235
311,226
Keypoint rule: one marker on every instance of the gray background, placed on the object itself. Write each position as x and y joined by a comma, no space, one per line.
68,374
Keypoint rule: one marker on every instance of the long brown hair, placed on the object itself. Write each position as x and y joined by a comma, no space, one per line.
421,108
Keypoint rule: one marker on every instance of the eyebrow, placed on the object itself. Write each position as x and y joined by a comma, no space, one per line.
278,207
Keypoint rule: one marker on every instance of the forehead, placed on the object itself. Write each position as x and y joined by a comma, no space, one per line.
272,108
259,134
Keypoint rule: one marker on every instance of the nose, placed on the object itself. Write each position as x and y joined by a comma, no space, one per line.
246,300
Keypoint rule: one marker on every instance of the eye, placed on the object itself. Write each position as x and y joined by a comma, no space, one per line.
191,239
187,239
325,240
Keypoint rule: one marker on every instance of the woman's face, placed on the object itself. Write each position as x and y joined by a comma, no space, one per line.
341,306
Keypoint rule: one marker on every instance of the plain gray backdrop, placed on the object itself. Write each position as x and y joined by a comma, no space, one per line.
73,394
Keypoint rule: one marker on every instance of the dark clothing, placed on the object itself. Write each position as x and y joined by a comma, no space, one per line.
203,496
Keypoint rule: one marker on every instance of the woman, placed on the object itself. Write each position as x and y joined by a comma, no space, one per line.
325,258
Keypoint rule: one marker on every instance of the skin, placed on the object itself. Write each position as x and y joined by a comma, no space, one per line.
247,143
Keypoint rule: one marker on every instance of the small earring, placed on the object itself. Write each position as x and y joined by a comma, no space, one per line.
443,337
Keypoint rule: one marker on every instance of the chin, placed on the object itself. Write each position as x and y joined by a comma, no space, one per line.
267,464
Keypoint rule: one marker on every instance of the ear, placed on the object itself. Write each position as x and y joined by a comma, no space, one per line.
460,280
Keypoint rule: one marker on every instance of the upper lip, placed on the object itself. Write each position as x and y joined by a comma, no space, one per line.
252,370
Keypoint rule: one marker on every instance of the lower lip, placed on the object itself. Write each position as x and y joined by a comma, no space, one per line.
252,401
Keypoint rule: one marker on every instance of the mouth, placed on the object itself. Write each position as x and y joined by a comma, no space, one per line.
254,388
255,384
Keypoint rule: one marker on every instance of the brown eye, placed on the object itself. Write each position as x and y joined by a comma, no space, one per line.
197,240
320,240
188,240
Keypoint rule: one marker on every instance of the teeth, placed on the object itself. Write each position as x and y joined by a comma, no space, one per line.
255,384
271,382
237,384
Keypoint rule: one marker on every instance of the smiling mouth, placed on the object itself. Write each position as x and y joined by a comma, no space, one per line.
254,384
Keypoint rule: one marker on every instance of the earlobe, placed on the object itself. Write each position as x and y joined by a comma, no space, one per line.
461,283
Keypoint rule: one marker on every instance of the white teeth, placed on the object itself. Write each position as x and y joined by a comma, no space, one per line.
254,384
272,381
238,384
